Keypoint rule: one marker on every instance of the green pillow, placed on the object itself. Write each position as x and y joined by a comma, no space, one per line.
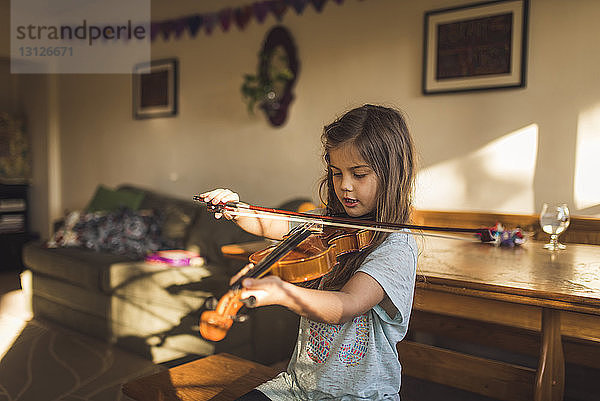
106,199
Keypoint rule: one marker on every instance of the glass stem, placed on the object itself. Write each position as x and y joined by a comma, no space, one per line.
554,239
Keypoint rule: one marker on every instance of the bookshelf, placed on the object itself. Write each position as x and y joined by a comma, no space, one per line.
13,224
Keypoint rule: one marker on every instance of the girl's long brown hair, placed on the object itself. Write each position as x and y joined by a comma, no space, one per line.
381,136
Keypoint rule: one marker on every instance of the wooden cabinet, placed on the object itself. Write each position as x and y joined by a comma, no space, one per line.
13,224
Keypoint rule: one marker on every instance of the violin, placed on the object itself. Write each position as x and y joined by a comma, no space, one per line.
307,252
317,255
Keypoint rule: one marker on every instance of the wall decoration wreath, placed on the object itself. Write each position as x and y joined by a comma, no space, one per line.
271,88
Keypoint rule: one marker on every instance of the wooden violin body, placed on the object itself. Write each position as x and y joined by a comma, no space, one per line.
316,255
311,258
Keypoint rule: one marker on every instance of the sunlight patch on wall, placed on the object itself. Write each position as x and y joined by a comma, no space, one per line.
586,189
496,178
442,186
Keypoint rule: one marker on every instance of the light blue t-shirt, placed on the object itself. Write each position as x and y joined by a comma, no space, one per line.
356,360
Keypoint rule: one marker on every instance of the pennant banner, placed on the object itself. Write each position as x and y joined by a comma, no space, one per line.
319,4
239,16
194,24
210,20
298,5
242,16
261,9
225,16
278,8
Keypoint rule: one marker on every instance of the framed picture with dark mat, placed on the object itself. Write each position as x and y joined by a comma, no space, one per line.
155,89
474,47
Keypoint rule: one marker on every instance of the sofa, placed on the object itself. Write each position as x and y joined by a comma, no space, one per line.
153,309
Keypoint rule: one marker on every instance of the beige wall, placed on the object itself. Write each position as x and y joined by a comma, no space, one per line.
9,85
34,103
503,151
4,28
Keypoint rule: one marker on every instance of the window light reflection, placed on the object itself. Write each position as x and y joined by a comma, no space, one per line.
586,191
496,178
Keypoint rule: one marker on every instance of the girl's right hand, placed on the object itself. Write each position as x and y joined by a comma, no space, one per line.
221,196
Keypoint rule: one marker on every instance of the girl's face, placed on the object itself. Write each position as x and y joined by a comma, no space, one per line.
354,181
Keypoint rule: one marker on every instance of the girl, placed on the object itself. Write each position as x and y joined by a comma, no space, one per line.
350,324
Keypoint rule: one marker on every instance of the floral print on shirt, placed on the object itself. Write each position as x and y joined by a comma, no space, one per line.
322,336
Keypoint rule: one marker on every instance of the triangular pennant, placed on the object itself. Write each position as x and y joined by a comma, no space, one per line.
278,8
241,16
225,16
154,30
261,9
318,4
210,20
298,5
166,27
179,26
194,24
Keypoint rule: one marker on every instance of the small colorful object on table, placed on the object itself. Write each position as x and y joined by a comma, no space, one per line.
508,238
176,258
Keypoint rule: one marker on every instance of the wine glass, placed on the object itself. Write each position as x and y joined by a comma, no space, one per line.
554,220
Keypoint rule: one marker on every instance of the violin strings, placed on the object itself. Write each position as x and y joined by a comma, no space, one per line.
285,246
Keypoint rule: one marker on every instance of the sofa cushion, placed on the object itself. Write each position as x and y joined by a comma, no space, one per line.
150,307
105,272
82,267
106,199
177,214
159,347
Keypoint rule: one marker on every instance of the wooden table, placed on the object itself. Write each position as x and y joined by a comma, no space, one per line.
525,299
216,377
243,250
527,288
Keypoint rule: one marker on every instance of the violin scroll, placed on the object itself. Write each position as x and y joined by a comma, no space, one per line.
214,324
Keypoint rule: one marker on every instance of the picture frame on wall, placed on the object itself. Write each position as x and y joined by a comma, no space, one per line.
475,47
155,89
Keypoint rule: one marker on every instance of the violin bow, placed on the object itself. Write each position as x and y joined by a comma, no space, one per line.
234,208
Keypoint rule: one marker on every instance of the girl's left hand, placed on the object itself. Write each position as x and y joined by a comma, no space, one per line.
270,290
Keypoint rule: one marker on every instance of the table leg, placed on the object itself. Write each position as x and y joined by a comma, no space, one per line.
550,377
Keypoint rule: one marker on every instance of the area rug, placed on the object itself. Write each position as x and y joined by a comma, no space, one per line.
42,362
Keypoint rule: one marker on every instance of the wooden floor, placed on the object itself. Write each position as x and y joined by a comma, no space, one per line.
42,361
